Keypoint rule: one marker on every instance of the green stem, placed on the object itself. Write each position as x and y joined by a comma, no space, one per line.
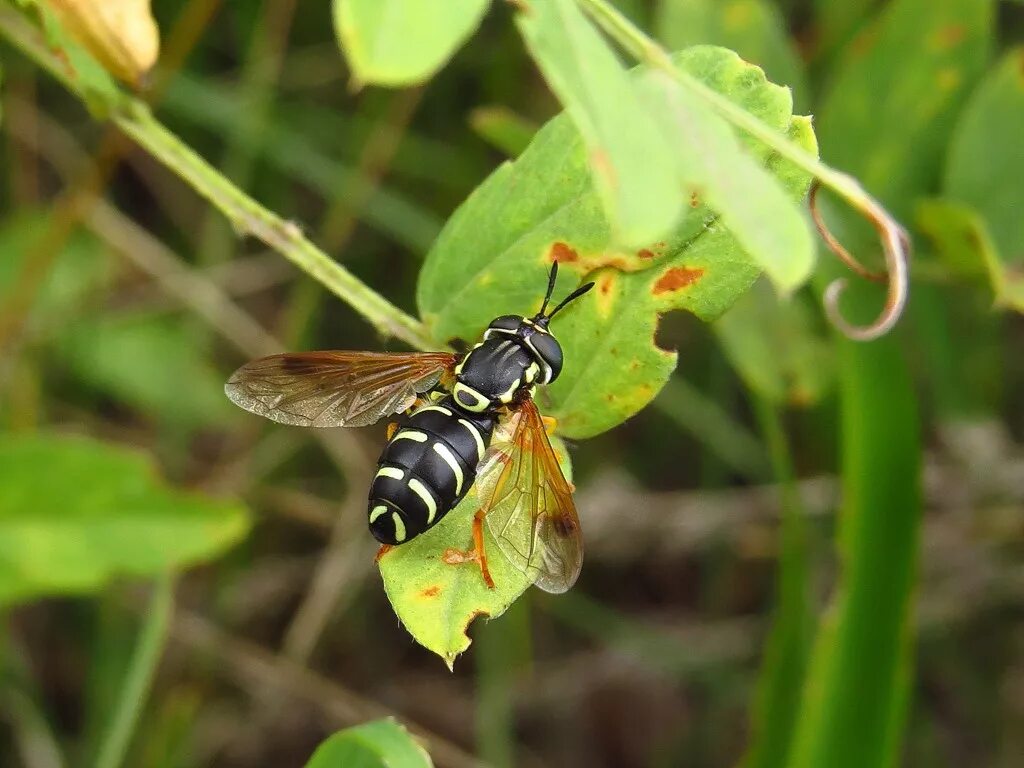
140,674
785,656
246,215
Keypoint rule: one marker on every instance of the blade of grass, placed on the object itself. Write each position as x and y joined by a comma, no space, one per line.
502,651
853,709
141,670
785,655
292,152
260,72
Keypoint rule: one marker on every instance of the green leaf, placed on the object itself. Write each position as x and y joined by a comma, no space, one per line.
402,42
495,251
143,359
776,348
75,513
378,744
630,160
753,28
961,240
710,162
985,166
436,601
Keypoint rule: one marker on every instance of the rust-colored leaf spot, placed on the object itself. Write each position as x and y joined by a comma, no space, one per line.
604,285
644,253
949,35
433,591
561,252
676,278
601,163
694,200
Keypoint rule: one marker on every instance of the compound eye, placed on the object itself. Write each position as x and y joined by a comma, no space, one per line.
506,323
550,353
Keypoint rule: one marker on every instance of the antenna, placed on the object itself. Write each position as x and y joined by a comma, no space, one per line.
572,296
551,287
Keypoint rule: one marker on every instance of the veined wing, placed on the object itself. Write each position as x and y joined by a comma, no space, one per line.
528,503
335,389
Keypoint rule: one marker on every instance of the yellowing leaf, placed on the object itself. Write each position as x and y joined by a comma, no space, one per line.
436,601
121,34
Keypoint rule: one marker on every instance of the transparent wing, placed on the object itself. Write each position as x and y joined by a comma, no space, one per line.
528,503
335,389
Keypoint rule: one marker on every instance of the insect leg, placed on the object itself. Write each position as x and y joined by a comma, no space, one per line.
477,554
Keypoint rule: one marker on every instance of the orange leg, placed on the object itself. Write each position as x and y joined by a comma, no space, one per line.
392,428
384,549
476,554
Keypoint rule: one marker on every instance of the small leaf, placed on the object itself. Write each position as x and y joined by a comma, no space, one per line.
76,512
630,160
378,744
985,167
775,347
154,363
962,243
495,251
121,34
755,29
710,163
402,42
437,601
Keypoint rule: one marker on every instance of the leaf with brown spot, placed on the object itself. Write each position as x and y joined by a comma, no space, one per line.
493,256
437,602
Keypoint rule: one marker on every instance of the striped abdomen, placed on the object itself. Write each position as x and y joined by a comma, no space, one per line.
425,470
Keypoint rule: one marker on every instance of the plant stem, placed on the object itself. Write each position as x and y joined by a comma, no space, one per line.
143,664
246,215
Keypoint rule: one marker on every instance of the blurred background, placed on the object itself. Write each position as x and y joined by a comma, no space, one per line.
126,300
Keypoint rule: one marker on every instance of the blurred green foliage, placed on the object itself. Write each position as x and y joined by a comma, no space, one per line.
886,634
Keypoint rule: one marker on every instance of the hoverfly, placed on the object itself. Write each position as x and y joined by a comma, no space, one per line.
466,419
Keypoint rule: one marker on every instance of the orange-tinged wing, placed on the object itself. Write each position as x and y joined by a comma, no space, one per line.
528,503
335,389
